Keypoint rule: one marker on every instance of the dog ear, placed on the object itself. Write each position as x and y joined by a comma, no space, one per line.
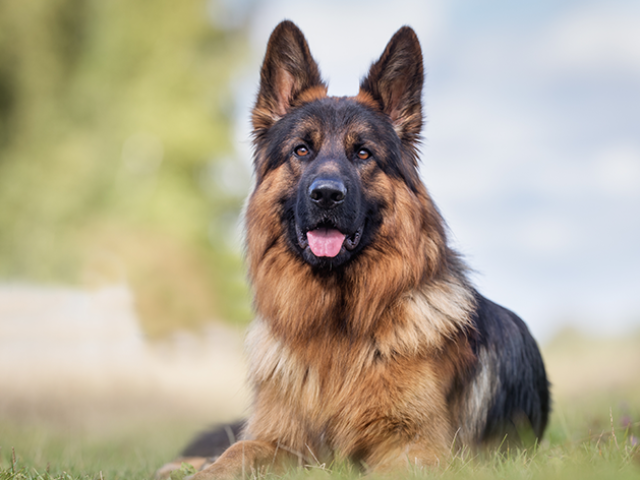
395,83
287,71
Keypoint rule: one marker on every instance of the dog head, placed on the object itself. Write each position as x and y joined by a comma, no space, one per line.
328,166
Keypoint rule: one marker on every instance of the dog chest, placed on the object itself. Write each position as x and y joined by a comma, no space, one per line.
342,399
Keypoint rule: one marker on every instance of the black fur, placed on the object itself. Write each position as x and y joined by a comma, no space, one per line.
523,393
339,114
212,443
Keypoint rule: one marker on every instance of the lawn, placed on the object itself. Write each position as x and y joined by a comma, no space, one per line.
594,430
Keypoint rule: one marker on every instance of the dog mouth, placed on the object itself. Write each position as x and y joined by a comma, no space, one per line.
326,240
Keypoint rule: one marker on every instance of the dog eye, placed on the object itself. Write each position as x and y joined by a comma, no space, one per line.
301,151
363,154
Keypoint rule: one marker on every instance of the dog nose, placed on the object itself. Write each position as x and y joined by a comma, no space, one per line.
327,193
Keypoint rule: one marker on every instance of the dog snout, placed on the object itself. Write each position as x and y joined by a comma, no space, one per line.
327,193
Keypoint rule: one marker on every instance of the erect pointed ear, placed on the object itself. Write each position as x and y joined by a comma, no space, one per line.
395,84
288,70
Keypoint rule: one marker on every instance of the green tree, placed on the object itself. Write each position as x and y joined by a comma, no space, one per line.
115,121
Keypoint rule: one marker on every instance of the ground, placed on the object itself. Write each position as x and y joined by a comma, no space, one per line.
127,433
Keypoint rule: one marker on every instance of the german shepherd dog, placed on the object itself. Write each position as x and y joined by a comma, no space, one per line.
370,344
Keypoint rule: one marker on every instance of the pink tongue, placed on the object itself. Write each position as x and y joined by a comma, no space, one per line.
325,242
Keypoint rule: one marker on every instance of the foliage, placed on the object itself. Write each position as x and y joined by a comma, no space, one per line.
114,127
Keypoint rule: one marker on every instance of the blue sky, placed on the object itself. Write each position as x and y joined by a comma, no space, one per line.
532,144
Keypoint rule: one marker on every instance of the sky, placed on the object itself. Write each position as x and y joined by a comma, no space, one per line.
532,143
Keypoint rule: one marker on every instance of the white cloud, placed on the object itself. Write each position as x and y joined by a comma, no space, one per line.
345,36
547,235
535,165
616,171
593,38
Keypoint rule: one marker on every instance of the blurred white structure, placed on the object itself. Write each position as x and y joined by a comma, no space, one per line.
62,342
65,329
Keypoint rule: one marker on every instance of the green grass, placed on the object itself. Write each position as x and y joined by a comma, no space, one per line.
53,452
594,431
580,443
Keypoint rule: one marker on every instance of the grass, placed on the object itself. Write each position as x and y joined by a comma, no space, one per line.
594,431
131,452
579,444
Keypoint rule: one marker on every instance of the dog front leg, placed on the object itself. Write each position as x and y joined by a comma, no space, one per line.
245,458
414,455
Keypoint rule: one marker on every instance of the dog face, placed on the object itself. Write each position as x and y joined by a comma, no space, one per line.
332,148
336,160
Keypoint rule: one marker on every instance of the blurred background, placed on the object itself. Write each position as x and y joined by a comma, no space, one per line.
125,159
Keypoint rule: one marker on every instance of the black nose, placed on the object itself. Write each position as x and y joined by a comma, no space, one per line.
327,193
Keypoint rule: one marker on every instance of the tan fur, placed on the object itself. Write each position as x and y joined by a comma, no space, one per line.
370,354
284,287
373,388
361,365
